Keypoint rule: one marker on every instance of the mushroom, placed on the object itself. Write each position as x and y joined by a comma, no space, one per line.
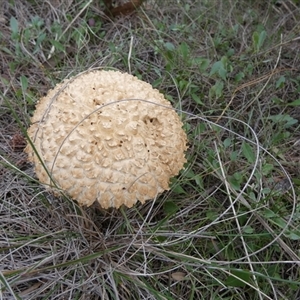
106,137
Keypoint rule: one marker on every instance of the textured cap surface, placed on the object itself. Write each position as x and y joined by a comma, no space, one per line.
114,154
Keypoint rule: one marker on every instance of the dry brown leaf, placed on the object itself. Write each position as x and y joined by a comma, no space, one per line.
123,9
178,276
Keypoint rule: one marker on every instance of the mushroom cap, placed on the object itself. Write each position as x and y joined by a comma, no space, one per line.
98,148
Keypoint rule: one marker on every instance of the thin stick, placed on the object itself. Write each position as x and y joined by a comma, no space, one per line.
129,54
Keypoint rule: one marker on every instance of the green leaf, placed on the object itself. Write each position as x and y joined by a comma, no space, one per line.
216,67
24,82
255,38
236,180
227,142
199,181
233,155
187,7
239,76
169,46
177,189
201,62
222,73
279,222
190,174
267,213
41,38
197,99
220,68
248,152
294,103
267,168
58,45
287,119
217,89
14,27
280,82
248,229
262,38
211,215
290,122
258,39
239,278
184,49
170,208
293,235
277,100
230,52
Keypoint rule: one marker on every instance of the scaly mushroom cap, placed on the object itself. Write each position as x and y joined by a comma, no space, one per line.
114,154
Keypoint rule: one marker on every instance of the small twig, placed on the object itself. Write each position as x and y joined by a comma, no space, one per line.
129,54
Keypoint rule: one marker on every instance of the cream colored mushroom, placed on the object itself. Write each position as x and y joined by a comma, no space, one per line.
115,153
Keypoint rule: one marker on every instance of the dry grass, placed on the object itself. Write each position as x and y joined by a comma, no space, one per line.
229,227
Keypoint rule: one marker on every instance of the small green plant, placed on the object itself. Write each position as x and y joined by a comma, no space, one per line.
258,39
